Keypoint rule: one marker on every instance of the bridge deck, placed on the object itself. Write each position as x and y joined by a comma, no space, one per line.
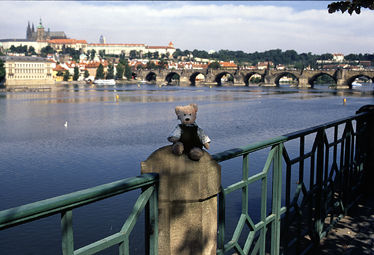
354,234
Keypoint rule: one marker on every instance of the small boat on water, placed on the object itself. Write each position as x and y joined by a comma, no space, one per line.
356,84
105,82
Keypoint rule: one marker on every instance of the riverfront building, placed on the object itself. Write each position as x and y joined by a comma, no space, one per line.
27,72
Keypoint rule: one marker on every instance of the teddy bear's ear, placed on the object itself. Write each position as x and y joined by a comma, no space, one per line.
194,107
178,109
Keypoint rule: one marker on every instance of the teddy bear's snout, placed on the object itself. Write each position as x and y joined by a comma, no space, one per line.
187,119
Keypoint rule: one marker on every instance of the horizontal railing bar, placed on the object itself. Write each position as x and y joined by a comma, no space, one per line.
232,153
243,183
47,207
101,244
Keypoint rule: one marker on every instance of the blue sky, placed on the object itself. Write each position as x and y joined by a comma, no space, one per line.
250,26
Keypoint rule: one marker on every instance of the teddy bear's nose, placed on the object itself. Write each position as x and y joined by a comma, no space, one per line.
187,119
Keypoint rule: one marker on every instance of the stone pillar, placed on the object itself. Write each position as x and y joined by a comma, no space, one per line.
187,202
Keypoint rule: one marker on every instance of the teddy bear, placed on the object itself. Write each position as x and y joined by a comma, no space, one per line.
187,137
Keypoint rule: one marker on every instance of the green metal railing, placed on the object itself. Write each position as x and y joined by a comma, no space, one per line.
66,203
309,213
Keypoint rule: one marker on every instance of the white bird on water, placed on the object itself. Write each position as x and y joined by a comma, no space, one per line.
66,124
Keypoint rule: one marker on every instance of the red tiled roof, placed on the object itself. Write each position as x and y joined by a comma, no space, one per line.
115,44
66,41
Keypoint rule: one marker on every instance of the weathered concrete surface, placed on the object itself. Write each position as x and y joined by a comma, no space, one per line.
187,202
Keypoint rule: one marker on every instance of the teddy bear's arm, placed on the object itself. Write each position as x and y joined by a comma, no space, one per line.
205,140
175,135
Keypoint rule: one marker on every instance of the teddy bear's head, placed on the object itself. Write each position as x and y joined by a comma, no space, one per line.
186,114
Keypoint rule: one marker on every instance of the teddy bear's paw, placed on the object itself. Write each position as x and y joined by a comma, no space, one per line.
178,148
196,154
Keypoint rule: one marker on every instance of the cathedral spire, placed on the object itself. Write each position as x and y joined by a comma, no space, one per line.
28,31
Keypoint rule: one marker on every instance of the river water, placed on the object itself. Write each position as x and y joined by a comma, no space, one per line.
107,137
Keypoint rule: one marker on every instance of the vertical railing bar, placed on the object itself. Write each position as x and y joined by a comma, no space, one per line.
301,164
346,168
221,220
319,183
67,233
336,130
124,247
245,188
288,206
301,180
151,212
262,239
276,197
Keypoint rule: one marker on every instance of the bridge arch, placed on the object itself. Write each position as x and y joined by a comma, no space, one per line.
247,77
173,78
314,78
225,77
151,77
285,74
351,79
194,76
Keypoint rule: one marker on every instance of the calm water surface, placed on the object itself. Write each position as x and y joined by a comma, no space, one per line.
106,140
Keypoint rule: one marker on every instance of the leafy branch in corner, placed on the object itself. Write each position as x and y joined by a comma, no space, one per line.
350,6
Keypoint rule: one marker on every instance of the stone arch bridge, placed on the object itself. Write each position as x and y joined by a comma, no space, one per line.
193,77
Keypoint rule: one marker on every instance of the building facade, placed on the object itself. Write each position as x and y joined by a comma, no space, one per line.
27,72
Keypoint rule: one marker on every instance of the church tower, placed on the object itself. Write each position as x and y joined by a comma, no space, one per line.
40,32
28,31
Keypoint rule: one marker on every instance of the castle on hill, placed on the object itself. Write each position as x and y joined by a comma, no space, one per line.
41,35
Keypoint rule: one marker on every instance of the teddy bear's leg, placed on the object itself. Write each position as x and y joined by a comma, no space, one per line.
178,148
196,153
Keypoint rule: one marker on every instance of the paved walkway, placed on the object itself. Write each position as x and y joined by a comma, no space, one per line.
354,234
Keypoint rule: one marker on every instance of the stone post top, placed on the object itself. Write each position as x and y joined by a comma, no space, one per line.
182,179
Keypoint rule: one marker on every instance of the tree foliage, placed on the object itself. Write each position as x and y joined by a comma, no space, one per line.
66,76
47,50
110,72
100,72
86,74
2,71
214,65
350,6
119,71
76,73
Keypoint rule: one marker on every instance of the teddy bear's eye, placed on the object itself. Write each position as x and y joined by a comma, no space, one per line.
185,114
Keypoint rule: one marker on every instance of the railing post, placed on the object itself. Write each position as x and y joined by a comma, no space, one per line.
67,233
365,146
187,202
277,198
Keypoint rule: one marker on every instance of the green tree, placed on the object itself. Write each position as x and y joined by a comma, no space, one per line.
66,76
102,53
86,74
128,73
2,71
100,72
47,50
350,6
31,51
156,55
110,72
150,65
92,54
162,64
76,73
214,65
133,54
119,71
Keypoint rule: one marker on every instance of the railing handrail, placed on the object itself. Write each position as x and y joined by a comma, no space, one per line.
47,207
232,153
